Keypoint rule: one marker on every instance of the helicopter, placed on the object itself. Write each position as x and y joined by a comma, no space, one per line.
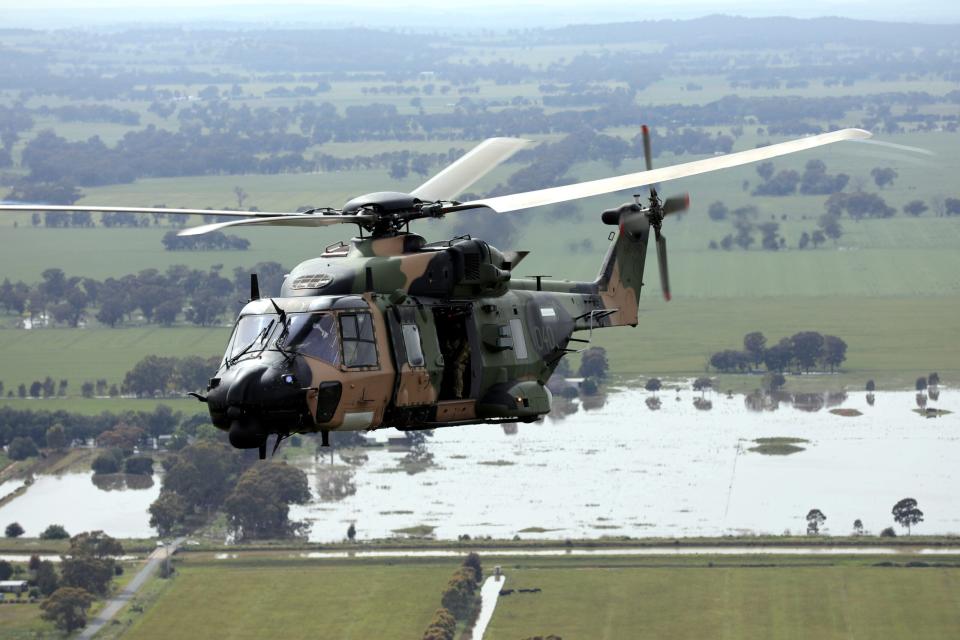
388,330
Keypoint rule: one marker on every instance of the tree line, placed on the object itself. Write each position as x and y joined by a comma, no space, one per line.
197,297
802,351
459,601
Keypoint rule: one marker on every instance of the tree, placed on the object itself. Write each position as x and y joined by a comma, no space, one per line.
857,527
442,627
834,351
6,570
54,532
351,532
754,343
702,383
67,608
46,577
168,512
89,563
593,363
765,170
914,208
258,507
906,513
921,383
139,466
241,196
122,436
815,519
653,385
87,389
458,596
831,227
107,462
57,437
14,530
473,562
871,385
933,379
717,211
883,176
21,448
151,375
807,348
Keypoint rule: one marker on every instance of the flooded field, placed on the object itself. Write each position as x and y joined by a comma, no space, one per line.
625,467
117,504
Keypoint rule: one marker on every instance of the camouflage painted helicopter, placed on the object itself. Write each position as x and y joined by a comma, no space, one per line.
391,331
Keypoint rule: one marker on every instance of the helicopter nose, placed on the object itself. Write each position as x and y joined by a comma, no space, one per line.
254,400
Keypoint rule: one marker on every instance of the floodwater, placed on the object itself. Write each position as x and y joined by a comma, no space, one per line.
76,502
617,469
622,469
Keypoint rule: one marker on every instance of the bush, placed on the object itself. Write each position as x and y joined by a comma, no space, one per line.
22,448
14,530
108,462
54,532
139,465
888,533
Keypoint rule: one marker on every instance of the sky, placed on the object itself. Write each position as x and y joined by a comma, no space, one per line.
434,13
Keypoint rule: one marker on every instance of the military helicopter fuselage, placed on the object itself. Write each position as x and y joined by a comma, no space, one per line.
394,332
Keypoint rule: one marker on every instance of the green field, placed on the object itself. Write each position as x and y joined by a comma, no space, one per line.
891,339
295,599
839,599
607,597
79,355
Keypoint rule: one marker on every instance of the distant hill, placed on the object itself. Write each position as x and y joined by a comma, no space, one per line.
759,33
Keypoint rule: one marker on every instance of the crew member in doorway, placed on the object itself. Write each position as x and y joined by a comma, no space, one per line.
462,355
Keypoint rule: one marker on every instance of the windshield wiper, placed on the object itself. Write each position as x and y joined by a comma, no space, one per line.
260,337
278,343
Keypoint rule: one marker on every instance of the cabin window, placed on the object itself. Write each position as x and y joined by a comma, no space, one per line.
314,335
411,340
359,344
519,344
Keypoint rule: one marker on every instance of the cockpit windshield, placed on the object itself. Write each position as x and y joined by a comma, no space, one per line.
314,335
309,334
251,335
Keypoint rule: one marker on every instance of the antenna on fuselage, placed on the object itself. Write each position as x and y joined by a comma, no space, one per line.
254,287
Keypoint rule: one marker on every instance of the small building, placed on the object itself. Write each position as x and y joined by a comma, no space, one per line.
13,586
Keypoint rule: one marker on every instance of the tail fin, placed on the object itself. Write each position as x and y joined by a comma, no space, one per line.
621,275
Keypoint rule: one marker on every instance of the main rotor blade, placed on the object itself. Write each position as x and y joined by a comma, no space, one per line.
662,262
529,199
302,220
189,212
476,163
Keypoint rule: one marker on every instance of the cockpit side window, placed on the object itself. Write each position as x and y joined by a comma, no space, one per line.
359,344
314,335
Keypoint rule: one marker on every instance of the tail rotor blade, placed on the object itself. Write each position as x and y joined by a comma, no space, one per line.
674,204
662,261
647,153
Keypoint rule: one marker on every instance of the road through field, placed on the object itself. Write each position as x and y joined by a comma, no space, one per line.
118,601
